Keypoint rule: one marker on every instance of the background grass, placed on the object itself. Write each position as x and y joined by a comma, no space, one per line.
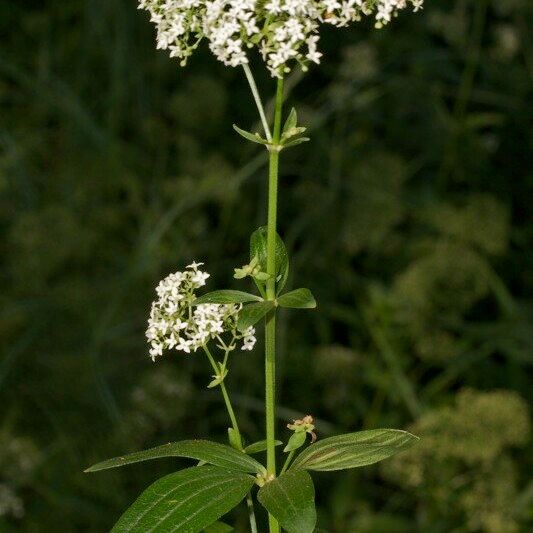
408,215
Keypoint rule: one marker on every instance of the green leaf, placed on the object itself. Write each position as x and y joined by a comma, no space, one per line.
260,446
201,450
291,121
296,441
354,449
186,501
218,527
226,297
258,248
254,137
293,133
218,378
296,142
290,498
297,299
252,313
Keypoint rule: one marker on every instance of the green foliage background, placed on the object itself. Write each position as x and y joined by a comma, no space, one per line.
408,215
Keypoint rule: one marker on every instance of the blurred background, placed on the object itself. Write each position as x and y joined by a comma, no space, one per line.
408,215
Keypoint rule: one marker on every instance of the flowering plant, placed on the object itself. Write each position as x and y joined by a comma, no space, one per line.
193,499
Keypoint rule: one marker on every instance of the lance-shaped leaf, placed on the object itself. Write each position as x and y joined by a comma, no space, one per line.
296,142
297,299
252,313
354,449
254,137
258,248
290,499
201,450
226,297
186,501
260,446
291,121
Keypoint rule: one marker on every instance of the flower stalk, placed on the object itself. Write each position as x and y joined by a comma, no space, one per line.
227,401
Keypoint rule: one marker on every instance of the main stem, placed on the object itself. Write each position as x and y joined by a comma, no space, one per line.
270,324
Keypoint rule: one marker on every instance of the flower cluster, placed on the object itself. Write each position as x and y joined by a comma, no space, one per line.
283,30
175,323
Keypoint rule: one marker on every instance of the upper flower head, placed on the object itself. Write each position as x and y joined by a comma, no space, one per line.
285,31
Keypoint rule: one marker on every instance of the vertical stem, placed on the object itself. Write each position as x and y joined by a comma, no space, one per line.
270,324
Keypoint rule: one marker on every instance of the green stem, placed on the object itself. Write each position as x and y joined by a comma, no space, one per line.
251,513
287,462
258,102
270,323
225,395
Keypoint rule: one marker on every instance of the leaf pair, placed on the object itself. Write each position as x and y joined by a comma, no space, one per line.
258,307
291,134
296,299
255,311
290,497
192,499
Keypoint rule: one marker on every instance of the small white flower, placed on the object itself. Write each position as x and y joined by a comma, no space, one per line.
279,29
175,324
249,339
184,345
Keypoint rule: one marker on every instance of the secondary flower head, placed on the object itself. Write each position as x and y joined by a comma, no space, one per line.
175,323
284,31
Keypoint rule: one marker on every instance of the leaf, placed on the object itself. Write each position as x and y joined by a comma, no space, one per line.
252,313
201,450
290,498
218,527
260,446
226,297
258,248
254,137
296,142
297,299
186,501
218,378
291,121
292,134
296,441
354,449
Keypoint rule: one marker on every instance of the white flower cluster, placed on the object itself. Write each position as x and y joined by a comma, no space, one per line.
283,30
175,323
